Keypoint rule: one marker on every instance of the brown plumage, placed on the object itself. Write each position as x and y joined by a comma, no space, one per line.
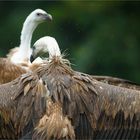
9,71
96,110
54,124
117,81
66,104
97,106
22,103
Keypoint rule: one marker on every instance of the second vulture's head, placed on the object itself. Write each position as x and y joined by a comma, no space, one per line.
45,45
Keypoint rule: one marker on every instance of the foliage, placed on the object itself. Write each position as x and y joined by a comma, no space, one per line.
101,37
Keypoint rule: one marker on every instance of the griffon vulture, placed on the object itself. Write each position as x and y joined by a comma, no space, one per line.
18,60
106,79
80,107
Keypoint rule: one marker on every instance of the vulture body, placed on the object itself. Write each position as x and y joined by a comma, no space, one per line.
80,107
56,102
18,60
41,50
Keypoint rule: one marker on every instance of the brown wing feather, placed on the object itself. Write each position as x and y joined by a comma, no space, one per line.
68,88
74,92
113,99
101,103
9,71
117,82
22,99
54,125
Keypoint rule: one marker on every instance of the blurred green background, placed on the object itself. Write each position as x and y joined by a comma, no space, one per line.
100,38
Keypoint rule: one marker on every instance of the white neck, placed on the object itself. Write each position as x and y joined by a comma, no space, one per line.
26,36
25,42
53,49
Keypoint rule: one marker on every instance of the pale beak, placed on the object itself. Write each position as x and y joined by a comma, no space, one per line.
33,55
32,58
48,17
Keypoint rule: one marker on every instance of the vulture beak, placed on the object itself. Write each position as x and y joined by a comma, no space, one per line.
33,55
48,17
32,58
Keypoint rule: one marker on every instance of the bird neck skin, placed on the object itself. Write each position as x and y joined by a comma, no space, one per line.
25,39
53,50
23,55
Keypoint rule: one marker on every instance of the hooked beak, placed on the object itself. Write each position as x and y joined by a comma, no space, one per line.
36,52
33,55
48,17
32,58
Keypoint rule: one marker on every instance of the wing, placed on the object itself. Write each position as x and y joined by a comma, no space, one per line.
9,71
54,124
117,112
117,82
88,103
22,104
72,93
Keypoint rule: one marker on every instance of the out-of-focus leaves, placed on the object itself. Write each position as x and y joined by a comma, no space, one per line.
100,37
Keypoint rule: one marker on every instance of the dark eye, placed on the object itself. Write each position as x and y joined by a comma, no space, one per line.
38,14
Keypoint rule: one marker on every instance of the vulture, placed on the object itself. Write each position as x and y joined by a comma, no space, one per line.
56,102
81,107
41,50
18,60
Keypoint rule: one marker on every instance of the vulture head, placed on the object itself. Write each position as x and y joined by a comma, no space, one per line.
38,16
46,44
23,53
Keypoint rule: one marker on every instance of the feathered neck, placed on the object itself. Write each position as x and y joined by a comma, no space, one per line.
24,52
26,36
53,49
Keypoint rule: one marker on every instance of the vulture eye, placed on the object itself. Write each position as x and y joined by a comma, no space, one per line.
38,14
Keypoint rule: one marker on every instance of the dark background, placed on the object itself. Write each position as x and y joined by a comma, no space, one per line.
99,37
